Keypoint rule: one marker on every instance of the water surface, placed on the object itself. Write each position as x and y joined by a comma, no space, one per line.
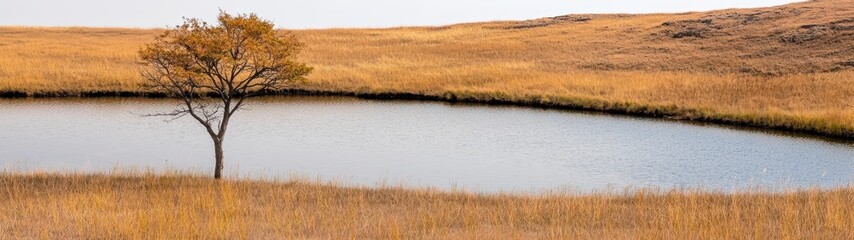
485,148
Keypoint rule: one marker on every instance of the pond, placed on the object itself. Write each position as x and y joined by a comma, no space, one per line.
420,144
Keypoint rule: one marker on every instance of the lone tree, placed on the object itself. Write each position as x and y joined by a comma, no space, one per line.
213,69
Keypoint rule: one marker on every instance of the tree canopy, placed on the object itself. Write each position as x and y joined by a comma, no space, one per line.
243,55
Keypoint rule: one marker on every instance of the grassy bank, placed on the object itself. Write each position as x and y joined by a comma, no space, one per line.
173,205
787,67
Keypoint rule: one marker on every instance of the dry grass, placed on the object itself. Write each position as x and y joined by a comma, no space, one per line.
787,67
175,206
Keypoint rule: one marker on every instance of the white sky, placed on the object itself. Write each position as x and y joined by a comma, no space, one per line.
330,13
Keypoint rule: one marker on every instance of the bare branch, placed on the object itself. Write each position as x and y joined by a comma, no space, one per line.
174,115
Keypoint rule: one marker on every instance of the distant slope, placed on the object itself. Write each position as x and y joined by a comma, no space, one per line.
788,67
813,36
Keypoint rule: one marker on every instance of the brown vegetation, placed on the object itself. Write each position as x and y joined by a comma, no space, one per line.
176,206
788,67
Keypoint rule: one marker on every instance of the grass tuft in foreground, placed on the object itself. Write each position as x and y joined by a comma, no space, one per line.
175,205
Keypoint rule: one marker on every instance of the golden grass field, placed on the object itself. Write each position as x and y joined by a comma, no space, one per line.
138,205
788,67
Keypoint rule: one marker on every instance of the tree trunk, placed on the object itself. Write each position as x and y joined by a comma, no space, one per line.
218,155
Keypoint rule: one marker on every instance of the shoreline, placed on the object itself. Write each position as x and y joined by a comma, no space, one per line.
785,125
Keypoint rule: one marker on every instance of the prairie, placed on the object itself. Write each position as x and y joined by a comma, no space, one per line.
786,67
146,205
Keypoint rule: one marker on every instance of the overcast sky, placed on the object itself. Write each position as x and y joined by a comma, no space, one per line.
330,13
